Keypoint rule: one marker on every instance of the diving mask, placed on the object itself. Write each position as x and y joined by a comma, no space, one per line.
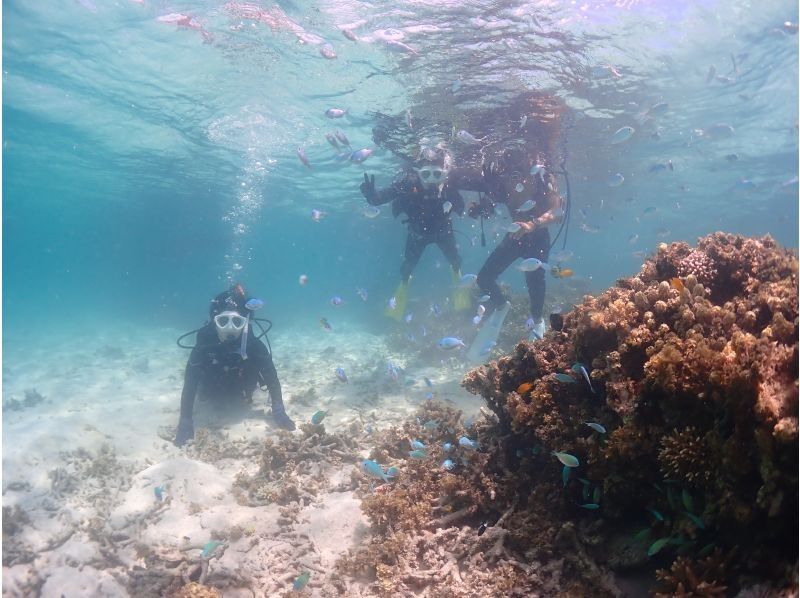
431,175
229,324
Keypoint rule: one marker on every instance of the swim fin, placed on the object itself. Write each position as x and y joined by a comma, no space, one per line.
400,298
461,295
486,338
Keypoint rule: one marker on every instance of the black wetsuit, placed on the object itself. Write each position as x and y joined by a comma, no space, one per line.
428,221
216,371
534,244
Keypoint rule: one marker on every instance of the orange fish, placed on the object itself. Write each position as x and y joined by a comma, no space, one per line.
562,272
677,284
524,387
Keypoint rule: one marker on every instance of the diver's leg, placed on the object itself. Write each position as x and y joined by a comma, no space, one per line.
538,246
415,245
447,243
501,258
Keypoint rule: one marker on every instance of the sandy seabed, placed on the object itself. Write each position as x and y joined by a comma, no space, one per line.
85,427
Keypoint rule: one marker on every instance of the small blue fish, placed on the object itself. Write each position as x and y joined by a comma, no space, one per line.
301,581
254,304
428,382
616,180
477,320
483,298
656,546
436,310
160,492
590,506
373,469
392,371
596,427
392,303
565,476
342,137
335,112
487,348
424,331
696,520
416,445
531,265
579,368
301,153
393,472
418,454
449,343
622,135
566,459
317,215
429,396
467,443
657,514
447,447
430,425
318,416
527,206
407,319
565,378
336,301
448,464
341,375
209,549
359,156
332,140
467,281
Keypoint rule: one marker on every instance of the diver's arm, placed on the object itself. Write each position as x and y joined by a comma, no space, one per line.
191,380
377,197
457,201
555,210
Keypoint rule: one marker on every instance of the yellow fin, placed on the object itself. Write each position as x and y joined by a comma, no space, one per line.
400,297
461,296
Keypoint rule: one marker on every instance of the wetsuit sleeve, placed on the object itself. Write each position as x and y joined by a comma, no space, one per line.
191,380
458,203
384,196
270,377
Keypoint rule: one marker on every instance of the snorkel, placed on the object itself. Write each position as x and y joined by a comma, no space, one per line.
251,305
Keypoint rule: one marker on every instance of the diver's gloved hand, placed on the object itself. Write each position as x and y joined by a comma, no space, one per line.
368,187
185,432
284,421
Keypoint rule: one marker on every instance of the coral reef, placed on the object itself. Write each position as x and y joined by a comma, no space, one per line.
437,531
692,370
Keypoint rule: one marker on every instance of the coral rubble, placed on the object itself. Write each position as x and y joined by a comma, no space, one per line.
693,370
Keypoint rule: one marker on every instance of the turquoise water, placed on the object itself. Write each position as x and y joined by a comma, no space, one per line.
146,162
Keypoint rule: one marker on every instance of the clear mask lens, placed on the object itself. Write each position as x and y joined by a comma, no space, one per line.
430,174
229,321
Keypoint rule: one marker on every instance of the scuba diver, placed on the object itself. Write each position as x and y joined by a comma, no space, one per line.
524,183
423,194
227,362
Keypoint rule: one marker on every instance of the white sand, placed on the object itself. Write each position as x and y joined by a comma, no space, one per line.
90,514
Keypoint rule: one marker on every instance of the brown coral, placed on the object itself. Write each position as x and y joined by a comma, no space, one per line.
697,384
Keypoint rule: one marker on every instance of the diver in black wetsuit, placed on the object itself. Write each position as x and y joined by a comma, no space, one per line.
518,177
221,368
423,194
